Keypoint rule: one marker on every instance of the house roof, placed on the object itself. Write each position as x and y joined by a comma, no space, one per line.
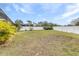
4,16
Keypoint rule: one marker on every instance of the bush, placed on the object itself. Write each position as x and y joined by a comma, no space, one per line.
48,28
6,30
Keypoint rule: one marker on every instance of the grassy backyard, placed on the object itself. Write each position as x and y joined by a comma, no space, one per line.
45,42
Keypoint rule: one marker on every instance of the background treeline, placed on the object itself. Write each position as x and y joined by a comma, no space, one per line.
46,25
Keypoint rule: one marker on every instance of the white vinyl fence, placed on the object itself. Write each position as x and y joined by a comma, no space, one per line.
70,29
33,28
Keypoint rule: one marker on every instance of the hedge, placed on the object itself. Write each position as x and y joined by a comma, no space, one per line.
6,30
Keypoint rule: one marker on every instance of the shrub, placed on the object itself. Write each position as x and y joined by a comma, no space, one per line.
6,30
48,27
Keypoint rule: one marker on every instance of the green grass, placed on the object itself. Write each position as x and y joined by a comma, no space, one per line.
47,32
45,42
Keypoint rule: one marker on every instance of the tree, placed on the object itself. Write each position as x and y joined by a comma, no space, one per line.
39,24
34,24
45,23
77,24
30,23
47,26
18,23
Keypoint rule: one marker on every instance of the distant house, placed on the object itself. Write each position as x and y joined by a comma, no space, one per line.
3,16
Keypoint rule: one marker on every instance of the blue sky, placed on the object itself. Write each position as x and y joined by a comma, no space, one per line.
59,13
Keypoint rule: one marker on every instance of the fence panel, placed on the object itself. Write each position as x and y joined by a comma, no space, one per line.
70,29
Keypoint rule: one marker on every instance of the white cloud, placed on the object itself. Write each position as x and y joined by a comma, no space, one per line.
24,8
52,8
7,8
16,7
71,10
69,14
